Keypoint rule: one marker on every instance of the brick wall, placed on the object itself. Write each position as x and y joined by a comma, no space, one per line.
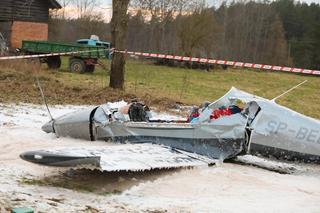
21,30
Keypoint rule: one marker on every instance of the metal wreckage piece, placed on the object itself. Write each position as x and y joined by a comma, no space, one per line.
261,128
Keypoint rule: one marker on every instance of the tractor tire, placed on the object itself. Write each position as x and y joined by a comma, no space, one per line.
54,62
90,68
77,65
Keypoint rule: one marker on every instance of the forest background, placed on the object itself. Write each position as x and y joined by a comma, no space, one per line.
281,32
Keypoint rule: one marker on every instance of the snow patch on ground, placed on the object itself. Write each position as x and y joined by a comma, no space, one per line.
224,188
30,115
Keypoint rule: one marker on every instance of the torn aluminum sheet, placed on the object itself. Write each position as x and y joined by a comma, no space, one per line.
262,128
272,129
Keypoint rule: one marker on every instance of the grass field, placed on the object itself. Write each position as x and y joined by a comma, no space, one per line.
158,85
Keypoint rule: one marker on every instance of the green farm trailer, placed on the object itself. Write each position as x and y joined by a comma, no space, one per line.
84,61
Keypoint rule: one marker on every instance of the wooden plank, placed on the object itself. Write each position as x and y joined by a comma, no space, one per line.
54,4
5,10
35,11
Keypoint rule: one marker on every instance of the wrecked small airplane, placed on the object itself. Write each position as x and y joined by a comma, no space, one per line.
218,132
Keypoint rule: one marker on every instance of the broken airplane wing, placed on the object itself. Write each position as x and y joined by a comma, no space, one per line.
117,157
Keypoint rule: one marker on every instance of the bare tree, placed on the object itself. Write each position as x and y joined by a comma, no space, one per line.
198,32
164,8
64,4
161,14
85,7
119,28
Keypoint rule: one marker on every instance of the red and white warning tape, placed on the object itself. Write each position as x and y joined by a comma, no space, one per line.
47,55
224,62
181,58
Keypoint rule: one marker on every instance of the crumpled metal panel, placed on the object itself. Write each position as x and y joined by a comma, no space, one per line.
275,126
75,125
280,127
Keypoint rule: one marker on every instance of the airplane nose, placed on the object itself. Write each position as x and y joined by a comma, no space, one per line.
48,127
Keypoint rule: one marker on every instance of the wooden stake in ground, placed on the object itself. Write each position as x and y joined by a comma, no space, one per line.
119,26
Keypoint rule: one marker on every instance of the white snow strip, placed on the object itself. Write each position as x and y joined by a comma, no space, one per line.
30,115
270,164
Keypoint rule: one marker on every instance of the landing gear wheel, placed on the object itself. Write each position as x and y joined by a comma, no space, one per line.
90,68
54,62
77,65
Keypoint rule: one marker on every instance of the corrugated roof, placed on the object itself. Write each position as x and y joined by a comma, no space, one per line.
53,4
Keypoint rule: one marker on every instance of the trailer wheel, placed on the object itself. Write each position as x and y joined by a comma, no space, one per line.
54,62
77,65
90,68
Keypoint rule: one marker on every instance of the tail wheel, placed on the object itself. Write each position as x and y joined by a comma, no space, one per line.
77,65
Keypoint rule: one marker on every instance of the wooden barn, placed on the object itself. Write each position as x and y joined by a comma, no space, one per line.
25,20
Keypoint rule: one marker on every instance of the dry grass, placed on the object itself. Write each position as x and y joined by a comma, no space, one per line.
195,86
157,85
18,84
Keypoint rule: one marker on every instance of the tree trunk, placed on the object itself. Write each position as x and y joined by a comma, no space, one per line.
119,27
